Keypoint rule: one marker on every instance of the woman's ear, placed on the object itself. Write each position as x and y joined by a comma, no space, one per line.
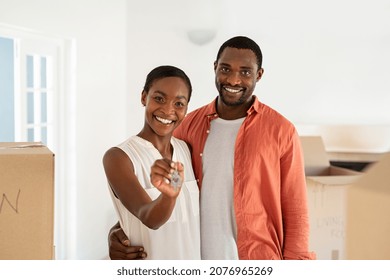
144,94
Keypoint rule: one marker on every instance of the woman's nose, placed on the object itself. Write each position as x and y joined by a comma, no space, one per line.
168,108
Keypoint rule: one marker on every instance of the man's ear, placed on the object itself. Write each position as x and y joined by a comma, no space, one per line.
259,74
144,94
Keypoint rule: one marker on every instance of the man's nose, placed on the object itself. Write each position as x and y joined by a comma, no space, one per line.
234,78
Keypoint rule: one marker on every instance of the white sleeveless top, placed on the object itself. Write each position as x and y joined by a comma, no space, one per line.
179,237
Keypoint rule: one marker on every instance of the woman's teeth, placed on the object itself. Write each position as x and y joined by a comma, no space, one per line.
164,121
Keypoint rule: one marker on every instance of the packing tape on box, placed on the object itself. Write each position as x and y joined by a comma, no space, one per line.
24,146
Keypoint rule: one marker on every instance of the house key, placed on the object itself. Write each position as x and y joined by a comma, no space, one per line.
175,179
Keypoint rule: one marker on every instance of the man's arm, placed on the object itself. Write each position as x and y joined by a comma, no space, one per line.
294,203
120,248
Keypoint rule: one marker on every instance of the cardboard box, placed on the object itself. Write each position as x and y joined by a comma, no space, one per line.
327,188
368,208
26,201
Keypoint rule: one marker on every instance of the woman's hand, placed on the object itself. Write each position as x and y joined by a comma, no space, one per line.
167,176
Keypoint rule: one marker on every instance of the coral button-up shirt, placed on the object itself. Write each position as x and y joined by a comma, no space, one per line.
270,200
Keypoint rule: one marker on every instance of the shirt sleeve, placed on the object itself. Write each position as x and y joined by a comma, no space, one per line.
294,201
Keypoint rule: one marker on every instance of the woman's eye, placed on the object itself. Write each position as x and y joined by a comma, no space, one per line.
180,104
158,99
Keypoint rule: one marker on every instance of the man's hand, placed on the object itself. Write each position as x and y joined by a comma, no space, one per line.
120,248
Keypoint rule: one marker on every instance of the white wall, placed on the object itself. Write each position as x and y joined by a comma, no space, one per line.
326,63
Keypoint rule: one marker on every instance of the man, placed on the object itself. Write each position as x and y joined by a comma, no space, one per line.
249,166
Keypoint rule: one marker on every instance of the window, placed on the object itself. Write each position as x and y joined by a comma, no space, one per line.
38,95
28,92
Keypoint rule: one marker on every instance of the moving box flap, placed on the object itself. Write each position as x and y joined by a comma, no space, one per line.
316,159
336,180
377,176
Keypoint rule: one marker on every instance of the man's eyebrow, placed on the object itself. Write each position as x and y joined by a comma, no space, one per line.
241,67
224,64
246,67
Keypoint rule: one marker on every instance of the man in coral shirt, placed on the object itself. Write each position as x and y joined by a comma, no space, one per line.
249,166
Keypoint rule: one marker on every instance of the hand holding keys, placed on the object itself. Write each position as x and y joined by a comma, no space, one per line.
167,176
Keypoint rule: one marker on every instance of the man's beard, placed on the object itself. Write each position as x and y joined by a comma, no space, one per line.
240,101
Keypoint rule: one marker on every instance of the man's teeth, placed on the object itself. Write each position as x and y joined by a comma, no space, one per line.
164,121
232,90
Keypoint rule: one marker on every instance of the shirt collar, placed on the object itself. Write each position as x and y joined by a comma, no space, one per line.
256,106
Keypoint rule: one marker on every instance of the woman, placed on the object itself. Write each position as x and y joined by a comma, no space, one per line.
150,174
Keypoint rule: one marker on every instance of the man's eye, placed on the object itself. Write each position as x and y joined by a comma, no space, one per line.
246,73
224,69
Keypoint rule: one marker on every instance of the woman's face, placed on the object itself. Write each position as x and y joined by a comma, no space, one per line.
166,104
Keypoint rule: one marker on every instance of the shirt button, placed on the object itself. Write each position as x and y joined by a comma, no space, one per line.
208,131
201,154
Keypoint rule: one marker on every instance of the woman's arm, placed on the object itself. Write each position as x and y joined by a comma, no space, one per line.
124,183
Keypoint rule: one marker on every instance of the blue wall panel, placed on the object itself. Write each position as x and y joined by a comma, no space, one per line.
7,129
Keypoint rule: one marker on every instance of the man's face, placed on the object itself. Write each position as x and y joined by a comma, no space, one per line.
236,75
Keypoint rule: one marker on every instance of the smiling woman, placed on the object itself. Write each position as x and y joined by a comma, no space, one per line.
150,175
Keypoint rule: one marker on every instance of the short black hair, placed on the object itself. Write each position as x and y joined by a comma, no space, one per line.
166,71
242,42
